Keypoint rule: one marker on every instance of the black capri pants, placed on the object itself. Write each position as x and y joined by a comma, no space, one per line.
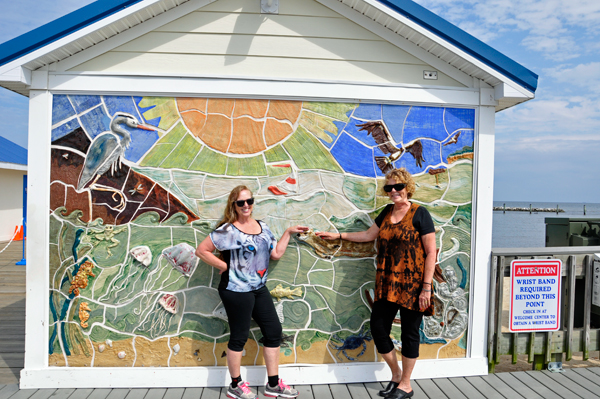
241,307
382,317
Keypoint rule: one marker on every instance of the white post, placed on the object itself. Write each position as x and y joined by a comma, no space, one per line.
38,205
482,250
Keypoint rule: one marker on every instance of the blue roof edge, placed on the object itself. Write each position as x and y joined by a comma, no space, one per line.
11,152
59,28
464,41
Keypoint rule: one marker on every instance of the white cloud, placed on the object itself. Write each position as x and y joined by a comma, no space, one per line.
582,75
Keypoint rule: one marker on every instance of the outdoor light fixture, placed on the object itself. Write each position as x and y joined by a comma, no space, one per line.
269,6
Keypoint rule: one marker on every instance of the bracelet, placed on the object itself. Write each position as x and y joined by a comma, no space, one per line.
427,283
425,290
340,236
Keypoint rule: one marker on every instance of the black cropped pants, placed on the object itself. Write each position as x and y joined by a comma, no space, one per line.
382,317
241,307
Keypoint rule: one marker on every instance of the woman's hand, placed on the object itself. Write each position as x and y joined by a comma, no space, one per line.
424,299
328,236
297,229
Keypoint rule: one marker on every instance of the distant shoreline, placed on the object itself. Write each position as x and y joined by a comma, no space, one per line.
530,209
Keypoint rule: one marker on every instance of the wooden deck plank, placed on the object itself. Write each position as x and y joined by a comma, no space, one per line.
8,391
358,391
536,385
64,393
501,387
10,375
137,393
322,392
517,385
183,393
595,370
448,388
584,372
116,394
465,387
155,393
23,394
484,388
582,381
82,393
43,393
568,384
339,391
373,388
211,393
429,388
305,391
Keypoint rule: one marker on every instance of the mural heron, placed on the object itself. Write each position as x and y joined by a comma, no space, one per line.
106,152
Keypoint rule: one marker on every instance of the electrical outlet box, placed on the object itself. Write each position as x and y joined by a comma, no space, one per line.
430,75
269,6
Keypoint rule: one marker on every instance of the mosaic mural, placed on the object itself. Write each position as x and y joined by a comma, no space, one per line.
137,181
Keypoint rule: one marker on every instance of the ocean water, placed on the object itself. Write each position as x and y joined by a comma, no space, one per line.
525,230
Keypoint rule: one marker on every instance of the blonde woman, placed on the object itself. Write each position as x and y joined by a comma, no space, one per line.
246,245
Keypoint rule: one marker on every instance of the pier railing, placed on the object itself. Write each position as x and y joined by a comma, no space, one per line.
580,324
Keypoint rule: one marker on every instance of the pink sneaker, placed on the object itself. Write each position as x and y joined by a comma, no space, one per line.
242,391
280,391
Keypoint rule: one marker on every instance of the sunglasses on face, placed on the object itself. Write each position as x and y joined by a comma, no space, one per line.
240,203
398,187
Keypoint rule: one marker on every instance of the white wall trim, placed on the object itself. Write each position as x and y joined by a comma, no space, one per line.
481,250
256,88
138,377
38,205
13,166
130,34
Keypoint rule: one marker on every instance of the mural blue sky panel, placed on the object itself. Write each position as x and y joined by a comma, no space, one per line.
464,140
143,140
65,129
425,122
394,117
355,131
61,109
368,112
353,156
459,118
83,103
95,122
121,104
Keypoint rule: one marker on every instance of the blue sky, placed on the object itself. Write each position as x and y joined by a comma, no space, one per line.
547,149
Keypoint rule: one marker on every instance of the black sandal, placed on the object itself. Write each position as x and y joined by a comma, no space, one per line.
389,389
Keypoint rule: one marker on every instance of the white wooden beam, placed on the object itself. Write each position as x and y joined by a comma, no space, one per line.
18,74
12,166
69,83
483,203
38,205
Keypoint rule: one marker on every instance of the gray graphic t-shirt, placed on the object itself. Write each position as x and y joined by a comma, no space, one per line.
247,256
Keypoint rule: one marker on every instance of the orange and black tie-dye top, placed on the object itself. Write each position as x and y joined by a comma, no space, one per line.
401,256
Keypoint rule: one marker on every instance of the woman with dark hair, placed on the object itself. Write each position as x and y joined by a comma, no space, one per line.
246,245
406,256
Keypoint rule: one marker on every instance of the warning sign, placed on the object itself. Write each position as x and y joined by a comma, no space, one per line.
535,295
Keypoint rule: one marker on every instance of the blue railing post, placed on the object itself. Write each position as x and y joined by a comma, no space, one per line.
22,262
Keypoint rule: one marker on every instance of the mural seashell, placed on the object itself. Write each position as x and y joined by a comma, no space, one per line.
220,312
176,349
121,355
182,257
142,254
101,348
108,343
169,303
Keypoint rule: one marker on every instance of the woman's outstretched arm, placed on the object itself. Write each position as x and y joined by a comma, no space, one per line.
357,236
283,242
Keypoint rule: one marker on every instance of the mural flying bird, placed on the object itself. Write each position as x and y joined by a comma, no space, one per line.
385,143
106,152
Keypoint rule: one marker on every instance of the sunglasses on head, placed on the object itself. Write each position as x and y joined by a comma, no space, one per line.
398,187
240,203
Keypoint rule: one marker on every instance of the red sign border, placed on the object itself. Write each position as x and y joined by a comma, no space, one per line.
554,262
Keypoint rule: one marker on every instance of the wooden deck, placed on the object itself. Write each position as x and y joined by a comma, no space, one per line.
574,383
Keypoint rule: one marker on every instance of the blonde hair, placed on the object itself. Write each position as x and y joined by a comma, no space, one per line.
401,176
230,215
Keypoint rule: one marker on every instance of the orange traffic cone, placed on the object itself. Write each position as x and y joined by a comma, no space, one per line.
19,233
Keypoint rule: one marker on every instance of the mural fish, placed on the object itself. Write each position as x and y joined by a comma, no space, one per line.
332,248
280,292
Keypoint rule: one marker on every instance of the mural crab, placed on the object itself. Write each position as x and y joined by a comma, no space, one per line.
352,342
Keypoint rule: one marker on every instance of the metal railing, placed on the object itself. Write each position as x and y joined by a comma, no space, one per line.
578,332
